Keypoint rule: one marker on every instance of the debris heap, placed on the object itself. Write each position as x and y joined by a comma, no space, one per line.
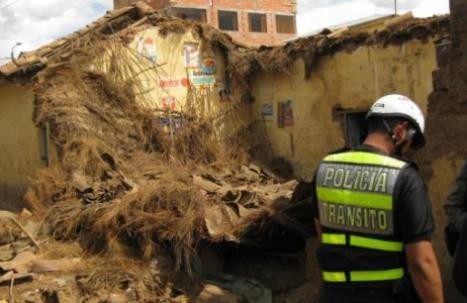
140,197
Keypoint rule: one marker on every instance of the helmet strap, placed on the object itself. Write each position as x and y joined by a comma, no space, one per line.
390,132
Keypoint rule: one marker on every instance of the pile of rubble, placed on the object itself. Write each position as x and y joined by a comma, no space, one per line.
131,202
126,250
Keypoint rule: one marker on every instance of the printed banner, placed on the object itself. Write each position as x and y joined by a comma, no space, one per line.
168,103
191,55
199,79
173,82
288,113
285,115
267,112
146,47
209,66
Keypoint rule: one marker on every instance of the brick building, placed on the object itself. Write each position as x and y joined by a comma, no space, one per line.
253,22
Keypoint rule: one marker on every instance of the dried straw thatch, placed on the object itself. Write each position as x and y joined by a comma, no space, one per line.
124,185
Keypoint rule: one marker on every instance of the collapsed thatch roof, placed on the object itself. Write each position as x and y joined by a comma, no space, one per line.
127,19
243,61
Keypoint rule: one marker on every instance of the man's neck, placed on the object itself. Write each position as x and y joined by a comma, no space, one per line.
381,142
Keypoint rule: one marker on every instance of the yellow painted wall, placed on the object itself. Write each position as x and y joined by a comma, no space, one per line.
19,143
346,80
157,67
354,81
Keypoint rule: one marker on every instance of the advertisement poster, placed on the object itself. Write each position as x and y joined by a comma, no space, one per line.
285,115
173,82
209,66
199,79
191,55
288,113
146,47
267,112
170,123
168,103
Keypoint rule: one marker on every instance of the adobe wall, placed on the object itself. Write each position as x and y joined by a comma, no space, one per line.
344,81
447,130
20,141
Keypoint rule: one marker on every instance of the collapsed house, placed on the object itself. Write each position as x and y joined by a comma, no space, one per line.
162,146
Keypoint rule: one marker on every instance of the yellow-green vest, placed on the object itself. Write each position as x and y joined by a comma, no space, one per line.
355,193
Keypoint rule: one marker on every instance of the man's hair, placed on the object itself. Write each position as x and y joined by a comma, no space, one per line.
376,124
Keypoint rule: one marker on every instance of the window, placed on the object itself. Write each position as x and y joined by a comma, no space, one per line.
195,14
228,21
257,23
355,129
285,24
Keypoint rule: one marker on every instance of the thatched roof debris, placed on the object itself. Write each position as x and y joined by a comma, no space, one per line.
243,61
116,22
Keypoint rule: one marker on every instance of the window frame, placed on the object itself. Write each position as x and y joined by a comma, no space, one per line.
293,24
354,120
263,18
235,18
177,11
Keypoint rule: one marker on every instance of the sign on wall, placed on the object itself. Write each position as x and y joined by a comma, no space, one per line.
285,115
170,122
168,103
146,47
200,79
173,82
267,112
191,55
209,66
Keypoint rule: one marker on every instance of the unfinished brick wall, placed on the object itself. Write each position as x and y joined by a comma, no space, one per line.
157,4
269,7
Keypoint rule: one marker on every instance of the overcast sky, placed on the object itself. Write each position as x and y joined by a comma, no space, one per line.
37,22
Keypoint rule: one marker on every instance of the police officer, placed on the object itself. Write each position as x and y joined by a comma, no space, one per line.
373,214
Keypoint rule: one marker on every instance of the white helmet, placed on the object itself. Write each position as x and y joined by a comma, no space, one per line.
399,106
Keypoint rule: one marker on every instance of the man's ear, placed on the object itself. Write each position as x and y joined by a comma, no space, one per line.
399,132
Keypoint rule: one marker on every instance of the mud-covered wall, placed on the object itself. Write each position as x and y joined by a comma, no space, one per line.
447,131
20,154
346,81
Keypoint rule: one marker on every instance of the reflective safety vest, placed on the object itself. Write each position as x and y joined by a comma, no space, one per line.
355,192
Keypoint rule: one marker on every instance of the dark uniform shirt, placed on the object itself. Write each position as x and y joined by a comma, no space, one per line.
412,210
413,222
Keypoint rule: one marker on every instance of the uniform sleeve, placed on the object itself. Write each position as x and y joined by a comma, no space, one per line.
413,214
301,205
456,204
306,191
